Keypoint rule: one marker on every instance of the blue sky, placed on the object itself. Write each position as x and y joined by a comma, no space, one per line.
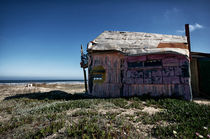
40,39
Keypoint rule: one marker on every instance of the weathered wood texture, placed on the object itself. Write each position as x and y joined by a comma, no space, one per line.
204,76
112,83
154,74
195,77
170,76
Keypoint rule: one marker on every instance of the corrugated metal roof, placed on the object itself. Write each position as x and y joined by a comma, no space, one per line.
138,43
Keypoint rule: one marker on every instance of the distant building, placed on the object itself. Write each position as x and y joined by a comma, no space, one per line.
124,64
29,85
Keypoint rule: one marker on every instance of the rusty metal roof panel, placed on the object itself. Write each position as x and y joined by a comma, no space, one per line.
137,43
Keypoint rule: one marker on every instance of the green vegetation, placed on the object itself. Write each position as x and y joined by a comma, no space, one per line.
188,116
83,117
46,131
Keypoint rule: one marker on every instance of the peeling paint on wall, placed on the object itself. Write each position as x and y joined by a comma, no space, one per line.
163,74
153,74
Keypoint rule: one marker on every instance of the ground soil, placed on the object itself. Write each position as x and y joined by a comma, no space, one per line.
7,90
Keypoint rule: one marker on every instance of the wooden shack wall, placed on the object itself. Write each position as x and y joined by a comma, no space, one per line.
154,74
110,87
195,78
166,75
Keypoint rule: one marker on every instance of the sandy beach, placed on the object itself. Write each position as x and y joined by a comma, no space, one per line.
8,90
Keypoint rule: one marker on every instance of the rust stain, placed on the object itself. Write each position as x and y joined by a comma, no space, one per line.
173,45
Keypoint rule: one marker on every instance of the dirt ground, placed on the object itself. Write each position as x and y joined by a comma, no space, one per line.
7,90
202,101
46,110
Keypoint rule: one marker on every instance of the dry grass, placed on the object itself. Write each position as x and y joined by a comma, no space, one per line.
34,113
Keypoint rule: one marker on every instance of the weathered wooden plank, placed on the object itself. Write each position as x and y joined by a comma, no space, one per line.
157,72
170,62
175,80
177,71
157,80
168,72
155,57
194,77
135,58
106,90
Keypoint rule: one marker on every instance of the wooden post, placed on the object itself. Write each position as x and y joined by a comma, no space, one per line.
187,33
85,79
84,71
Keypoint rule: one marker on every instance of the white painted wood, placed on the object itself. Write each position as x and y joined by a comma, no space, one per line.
136,43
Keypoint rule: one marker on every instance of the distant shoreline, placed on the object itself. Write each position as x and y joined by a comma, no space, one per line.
41,81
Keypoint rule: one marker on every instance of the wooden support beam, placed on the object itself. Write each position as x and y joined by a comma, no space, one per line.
84,71
187,33
85,80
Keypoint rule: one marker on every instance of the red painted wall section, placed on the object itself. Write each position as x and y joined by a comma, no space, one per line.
167,74
136,58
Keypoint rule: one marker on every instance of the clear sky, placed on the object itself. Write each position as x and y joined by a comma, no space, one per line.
40,39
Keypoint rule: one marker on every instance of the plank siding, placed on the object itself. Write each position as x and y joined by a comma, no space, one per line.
112,84
195,77
153,74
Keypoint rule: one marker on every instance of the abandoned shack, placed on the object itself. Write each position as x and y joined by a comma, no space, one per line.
124,64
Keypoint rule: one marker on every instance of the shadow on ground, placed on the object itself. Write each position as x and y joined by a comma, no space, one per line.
61,95
52,95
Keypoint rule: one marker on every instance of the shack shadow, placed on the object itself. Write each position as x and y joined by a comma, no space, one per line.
52,95
61,95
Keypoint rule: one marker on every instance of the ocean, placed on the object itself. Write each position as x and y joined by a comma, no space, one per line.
42,81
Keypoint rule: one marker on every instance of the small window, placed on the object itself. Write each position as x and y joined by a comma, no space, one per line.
135,64
153,63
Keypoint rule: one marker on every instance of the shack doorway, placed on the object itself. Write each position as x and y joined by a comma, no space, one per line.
204,76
